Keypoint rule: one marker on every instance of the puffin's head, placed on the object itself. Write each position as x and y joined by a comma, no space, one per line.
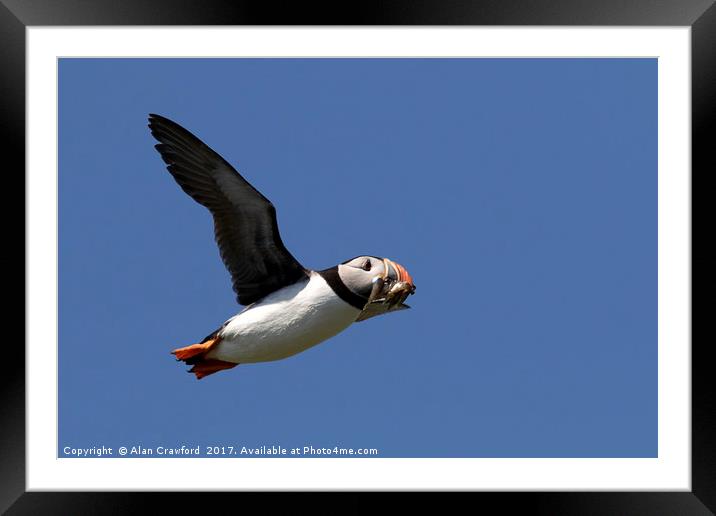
376,278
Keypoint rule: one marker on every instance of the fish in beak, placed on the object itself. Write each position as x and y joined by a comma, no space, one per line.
393,286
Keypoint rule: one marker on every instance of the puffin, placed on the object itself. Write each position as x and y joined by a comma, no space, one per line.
288,308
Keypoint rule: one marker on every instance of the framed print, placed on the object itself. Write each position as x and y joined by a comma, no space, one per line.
532,174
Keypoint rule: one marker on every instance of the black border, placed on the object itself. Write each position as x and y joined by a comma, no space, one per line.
15,15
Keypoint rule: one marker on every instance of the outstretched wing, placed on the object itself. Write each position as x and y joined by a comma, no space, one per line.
245,224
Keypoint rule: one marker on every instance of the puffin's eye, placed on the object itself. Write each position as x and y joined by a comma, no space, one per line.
366,265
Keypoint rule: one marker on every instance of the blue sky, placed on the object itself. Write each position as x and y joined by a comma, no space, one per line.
521,194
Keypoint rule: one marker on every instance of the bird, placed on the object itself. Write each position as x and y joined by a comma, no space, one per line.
288,308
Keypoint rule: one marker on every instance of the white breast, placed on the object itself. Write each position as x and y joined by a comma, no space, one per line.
284,323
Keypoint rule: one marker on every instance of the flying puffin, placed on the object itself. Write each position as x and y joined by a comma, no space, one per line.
289,308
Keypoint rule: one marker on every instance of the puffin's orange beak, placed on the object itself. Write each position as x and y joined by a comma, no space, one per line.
402,273
392,286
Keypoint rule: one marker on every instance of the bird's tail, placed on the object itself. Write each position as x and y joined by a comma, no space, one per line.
195,355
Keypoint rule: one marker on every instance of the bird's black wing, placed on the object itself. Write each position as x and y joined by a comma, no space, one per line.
245,224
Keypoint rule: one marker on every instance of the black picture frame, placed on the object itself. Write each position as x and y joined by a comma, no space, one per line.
700,15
